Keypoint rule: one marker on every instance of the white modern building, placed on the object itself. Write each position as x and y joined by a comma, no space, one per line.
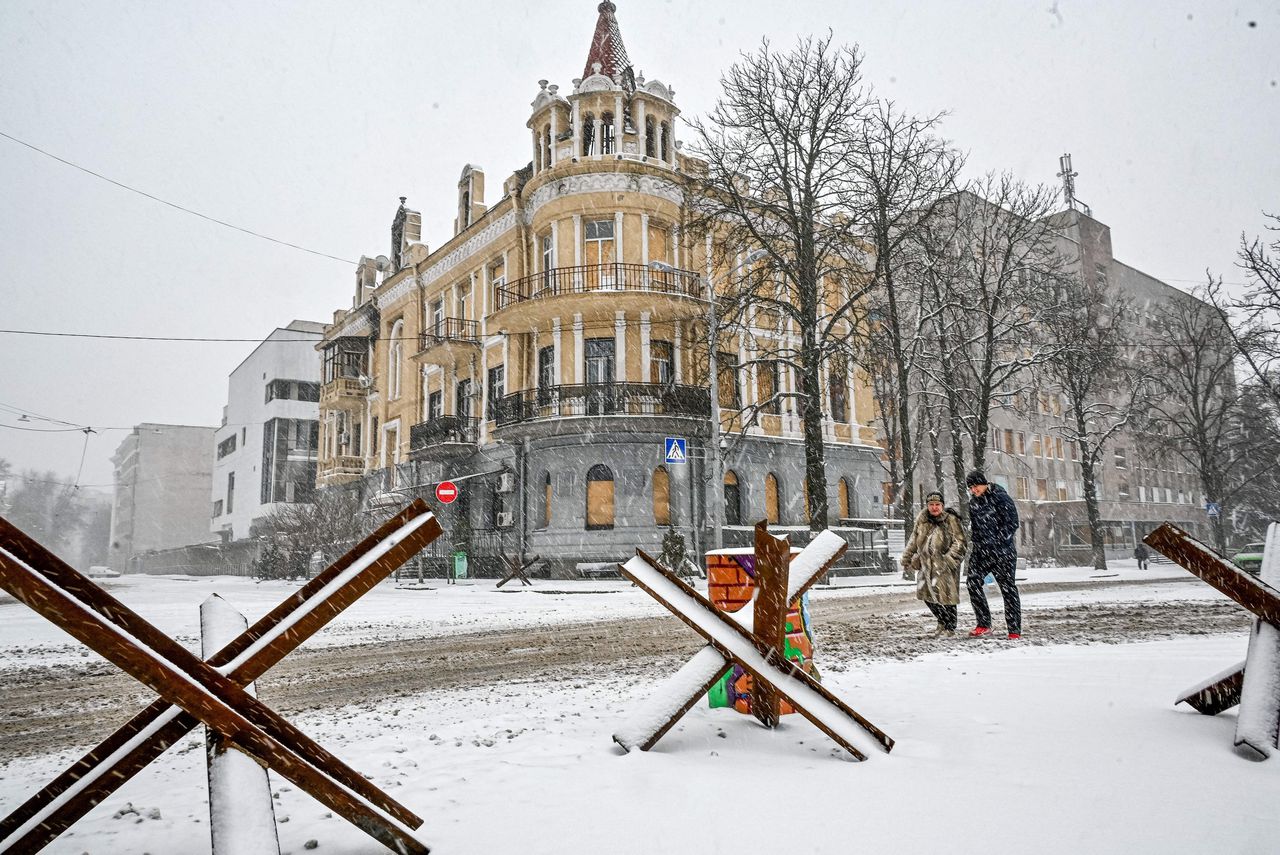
264,454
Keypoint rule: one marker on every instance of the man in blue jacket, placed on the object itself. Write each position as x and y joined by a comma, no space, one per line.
993,521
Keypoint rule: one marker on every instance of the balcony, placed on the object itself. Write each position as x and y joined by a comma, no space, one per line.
342,467
446,340
604,399
443,436
631,287
342,390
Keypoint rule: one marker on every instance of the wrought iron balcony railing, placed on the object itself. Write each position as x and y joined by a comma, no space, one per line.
589,278
604,399
455,429
449,329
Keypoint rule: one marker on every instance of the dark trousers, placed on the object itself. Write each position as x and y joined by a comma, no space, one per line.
1001,566
946,615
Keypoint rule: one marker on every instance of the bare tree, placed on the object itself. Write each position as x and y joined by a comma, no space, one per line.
989,264
1195,407
1256,332
906,172
779,176
293,534
1094,367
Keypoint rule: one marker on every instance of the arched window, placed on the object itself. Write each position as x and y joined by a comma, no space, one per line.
588,133
650,139
842,493
395,359
606,134
599,497
665,146
546,500
661,496
732,499
771,498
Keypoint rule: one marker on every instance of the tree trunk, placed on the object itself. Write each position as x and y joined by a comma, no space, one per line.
1087,475
815,469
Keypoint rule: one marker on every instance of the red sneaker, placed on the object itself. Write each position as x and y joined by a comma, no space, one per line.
1015,636
979,631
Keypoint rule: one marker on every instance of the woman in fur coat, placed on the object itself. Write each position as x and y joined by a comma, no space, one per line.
938,545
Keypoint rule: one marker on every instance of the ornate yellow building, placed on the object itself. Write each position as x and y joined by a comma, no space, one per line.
554,343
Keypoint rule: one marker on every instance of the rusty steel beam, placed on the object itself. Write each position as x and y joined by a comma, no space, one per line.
221,708
1219,696
163,725
769,616
1260,599
773,661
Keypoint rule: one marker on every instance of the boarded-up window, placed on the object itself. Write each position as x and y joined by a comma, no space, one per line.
599,497
546,500
732,499
658,243
661,496
767,387
771,498
842,492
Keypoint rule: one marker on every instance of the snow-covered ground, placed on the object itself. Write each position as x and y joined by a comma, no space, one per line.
1027,748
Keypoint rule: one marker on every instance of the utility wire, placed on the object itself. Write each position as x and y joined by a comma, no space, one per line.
173,204
214,339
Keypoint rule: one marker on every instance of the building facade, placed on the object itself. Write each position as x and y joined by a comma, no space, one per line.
1138,487
162,476
542,356
264,452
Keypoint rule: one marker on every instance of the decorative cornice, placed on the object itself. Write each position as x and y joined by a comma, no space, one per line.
469,247
388,298
603,182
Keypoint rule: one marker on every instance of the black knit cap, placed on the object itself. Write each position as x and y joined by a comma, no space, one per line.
975,476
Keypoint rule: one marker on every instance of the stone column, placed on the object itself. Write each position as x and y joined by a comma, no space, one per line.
555,132
579,353
558,379
646,371
620,346
641,137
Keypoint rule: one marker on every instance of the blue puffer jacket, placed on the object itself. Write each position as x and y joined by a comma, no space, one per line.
993,519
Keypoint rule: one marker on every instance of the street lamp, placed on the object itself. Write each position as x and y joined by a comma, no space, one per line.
716,504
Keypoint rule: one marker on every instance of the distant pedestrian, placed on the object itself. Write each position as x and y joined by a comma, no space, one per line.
937,547
1143,554
993,522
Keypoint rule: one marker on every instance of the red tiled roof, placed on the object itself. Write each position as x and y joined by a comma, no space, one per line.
606,45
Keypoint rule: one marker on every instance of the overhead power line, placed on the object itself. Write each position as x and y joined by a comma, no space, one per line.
172,204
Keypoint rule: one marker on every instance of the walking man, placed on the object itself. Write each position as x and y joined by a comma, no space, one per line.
993,521
1143,554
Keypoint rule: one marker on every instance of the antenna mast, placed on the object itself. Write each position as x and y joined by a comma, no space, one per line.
1068,177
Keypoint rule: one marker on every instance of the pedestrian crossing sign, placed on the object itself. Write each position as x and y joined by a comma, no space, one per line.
676,451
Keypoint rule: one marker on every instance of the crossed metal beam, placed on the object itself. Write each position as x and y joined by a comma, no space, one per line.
517,568
193,691
1247,683
753,639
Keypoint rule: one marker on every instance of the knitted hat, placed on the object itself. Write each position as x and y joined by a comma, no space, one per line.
975,476
933,495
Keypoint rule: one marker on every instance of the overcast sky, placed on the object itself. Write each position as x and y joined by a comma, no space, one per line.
305,121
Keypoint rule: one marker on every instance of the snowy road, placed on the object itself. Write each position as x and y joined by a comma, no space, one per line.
49,708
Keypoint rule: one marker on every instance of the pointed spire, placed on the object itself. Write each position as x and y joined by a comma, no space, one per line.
607,48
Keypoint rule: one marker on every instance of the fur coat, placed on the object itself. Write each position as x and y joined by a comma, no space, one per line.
938,545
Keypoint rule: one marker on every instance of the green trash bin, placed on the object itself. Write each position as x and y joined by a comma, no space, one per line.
460,564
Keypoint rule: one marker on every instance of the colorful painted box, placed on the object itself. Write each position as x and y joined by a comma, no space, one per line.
731,582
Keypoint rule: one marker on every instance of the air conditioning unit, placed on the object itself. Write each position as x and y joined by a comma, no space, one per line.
507,482
505,519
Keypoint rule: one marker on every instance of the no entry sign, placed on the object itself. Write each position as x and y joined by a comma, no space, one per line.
446,492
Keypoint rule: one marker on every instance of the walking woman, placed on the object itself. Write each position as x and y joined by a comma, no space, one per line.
937,547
